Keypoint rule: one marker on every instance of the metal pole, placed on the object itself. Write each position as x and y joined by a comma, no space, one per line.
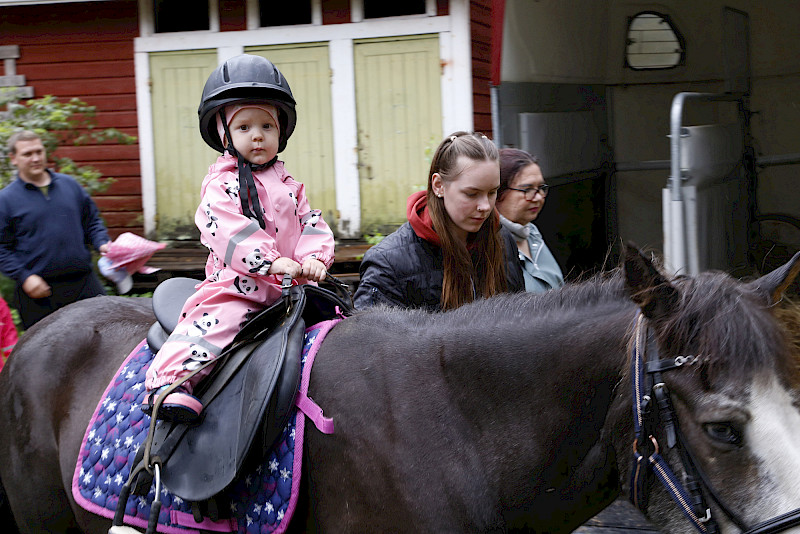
675,252
497,128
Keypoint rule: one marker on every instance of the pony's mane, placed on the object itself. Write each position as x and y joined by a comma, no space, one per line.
720,319
728,326
605,287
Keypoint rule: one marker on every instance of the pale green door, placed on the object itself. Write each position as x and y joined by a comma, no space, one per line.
309,152
181,157
399,114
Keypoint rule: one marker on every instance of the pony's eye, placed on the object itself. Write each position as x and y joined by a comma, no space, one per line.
725,433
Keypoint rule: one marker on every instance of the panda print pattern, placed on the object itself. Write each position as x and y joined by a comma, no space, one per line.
238,280
257,263
211,225
198,356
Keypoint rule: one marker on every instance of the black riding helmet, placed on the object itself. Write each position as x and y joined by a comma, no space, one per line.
240,79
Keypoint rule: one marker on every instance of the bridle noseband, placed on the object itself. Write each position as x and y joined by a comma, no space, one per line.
652,408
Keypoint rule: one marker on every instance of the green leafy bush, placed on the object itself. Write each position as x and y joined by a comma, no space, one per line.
58,124
374,239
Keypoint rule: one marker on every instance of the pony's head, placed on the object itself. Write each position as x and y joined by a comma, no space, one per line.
716,399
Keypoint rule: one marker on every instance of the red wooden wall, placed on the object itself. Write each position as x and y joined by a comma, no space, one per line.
85,50
480,14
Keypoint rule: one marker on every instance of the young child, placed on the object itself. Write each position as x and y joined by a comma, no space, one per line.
253,217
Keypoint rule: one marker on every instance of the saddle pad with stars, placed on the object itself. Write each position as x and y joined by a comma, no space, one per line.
262,501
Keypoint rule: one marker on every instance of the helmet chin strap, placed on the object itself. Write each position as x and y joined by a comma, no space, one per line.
248,196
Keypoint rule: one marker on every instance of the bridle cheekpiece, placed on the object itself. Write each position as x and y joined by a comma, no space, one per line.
652,409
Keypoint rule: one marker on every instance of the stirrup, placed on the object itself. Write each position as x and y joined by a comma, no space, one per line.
179,406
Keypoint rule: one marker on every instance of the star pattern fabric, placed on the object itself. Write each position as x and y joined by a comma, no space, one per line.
258,501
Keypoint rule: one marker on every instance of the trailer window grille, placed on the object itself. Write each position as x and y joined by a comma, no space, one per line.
653,42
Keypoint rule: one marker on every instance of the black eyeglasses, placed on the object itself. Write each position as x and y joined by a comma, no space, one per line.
530,193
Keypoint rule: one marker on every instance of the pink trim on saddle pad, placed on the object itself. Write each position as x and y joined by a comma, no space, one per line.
323,329
187,520
96,508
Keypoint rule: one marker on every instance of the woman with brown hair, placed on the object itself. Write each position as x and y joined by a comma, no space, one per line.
520,200
452,250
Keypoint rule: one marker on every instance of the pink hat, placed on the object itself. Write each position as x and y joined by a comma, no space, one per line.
126,255
230,111
132,252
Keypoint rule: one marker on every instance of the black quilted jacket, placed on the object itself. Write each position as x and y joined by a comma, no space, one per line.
405,270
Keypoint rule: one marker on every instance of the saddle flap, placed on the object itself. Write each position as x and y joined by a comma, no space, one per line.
248,398
240,420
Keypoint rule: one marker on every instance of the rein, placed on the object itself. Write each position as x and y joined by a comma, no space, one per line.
651,406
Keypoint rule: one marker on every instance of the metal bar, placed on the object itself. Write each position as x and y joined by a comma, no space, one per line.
650,165
781,159
675,251
497,128
663,164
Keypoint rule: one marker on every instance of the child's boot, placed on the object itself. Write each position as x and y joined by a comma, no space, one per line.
180,406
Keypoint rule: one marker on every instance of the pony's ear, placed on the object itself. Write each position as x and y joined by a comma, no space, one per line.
771,286
648,288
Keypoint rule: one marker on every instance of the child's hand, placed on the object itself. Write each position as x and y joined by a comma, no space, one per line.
314,270
288,266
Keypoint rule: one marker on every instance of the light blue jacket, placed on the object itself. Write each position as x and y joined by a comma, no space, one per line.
541,270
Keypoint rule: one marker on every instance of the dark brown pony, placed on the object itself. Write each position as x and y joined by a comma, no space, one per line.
509,413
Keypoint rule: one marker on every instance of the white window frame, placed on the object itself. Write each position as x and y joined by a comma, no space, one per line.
456,80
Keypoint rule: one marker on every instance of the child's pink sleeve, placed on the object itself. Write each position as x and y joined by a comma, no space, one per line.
316,240
223,228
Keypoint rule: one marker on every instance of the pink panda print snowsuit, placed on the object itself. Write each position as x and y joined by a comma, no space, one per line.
240,253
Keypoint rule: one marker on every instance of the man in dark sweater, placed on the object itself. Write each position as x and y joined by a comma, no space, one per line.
47,223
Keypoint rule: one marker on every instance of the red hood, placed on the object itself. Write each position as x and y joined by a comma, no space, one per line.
420,219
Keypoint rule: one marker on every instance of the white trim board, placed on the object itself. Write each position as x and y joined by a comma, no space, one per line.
456,85
306,33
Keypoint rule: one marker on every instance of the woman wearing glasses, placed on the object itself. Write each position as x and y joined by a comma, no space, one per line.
520,199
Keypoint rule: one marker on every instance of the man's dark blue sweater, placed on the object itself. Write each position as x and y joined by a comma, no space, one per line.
48,233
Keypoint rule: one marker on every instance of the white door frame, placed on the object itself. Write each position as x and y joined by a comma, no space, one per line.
456,81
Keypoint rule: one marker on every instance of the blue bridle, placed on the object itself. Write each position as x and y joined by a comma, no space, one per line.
651,399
